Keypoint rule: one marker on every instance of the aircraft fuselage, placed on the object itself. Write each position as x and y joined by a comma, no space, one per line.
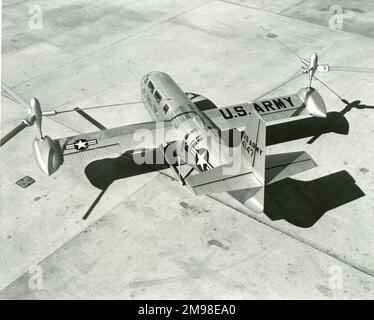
199,141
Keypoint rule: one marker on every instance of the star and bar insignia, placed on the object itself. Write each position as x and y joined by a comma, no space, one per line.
202,159
80,144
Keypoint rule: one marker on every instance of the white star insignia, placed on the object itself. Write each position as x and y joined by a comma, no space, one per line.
80,144
201,161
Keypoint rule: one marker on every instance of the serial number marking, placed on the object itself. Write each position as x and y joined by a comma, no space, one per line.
250,146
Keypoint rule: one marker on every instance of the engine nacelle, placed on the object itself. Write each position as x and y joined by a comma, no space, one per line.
313,102
48,154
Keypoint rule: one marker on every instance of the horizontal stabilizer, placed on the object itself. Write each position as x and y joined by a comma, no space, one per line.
252,198
215,181
285,114
284,165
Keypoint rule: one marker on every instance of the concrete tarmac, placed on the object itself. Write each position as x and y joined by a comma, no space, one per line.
146,236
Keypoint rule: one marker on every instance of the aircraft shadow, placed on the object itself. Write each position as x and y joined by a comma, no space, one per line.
303,203
335,122
102,173
309,127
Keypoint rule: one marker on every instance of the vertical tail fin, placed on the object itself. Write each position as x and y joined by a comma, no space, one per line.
253,154
253,145
244,177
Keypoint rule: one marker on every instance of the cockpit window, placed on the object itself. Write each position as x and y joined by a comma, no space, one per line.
150,86
158,97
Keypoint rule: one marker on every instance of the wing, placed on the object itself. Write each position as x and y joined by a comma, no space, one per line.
116,141
236,116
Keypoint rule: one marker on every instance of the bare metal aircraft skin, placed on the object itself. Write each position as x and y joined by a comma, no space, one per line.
224,147
198,137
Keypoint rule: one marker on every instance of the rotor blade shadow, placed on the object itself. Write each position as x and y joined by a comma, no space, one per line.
90,119
200,101
303,203
354,105
94,204
309,127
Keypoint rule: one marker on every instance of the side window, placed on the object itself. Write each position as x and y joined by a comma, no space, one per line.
166,108
157,97
151,87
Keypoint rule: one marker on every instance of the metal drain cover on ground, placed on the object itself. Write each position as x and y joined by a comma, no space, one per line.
25,182
271,35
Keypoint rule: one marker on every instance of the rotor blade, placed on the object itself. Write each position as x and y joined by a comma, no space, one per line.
352,69
279,86
54,112
324,84
283,44
12,133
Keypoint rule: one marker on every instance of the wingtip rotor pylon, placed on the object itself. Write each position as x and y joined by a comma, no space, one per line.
313,102
36,114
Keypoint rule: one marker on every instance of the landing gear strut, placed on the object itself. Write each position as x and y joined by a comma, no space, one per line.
175,167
